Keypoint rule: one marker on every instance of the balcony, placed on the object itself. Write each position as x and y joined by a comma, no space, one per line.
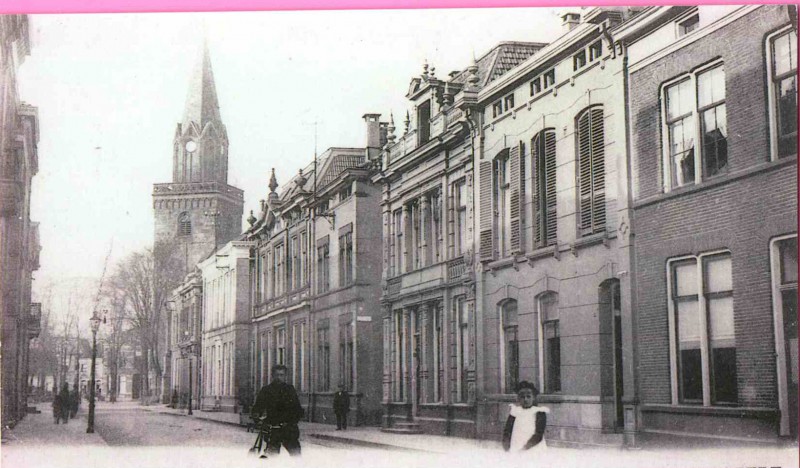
456,269
418,280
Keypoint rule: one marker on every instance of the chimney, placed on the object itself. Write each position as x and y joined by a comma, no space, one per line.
373,135
570,20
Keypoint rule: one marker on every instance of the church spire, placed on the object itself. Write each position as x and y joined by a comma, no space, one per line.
201,102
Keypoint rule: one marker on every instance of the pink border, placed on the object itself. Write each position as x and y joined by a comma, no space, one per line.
119,6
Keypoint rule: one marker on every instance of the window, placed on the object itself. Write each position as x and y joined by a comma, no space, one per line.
502,202
508,102
324,355
438,352
783,252
396,252
346,355
702,329
460,218
510,345
323,265
591,171
549,78
783,93
346,257
304,258
184,224
463,343
688,25
424,122
536,86
543,168
595,50
434,227
280,346
322,208
579,60
345,193
291,265
416,232
687,123
280,273
497,109
551,343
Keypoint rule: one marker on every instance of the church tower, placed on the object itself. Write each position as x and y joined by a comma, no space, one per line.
198,211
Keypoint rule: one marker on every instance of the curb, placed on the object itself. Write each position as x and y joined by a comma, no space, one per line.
365,443
197,417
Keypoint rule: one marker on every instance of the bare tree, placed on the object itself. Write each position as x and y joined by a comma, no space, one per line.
146,279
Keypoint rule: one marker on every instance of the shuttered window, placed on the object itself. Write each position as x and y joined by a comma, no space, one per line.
515,196
486,211
543,169
591,172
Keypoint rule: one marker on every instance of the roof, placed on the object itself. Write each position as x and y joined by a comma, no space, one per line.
499,60
202,105
338,163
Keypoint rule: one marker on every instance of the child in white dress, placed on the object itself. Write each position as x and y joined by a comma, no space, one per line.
526,422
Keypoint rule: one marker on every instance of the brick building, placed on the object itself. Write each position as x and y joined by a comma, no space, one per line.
19,237
552,238
712,95
315,282
430,375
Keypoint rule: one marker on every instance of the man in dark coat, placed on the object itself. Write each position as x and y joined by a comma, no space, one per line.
56,405
74,401
278,409
341,405
64,400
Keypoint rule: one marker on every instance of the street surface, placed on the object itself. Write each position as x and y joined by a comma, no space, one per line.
129,436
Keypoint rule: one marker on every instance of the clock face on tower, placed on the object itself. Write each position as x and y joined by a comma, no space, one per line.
191,146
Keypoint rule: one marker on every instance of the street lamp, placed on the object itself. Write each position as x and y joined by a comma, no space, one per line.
95,324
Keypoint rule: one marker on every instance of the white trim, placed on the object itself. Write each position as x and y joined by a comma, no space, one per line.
703,325
666,157
780,345
541,342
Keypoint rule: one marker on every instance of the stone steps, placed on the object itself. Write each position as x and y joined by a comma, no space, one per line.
403,427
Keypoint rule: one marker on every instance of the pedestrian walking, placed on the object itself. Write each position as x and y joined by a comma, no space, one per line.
526,422
341,405
64,403
56,405
278,410
74,401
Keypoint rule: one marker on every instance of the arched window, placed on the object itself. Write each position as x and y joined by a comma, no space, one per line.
184,224
510,345
591,171
551,342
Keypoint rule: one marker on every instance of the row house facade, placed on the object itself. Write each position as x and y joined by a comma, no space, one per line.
430,336
552,237
224,361
19,237
315,286
712,96
184,332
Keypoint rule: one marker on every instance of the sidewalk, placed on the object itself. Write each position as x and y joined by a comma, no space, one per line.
361,436
39,429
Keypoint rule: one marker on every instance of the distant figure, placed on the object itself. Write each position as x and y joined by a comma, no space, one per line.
74,401
56,405
341,405
526,422
278,410
174,400
64,403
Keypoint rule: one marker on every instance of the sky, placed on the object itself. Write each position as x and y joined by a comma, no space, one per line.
110,89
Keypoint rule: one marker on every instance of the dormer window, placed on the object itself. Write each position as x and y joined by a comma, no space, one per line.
424,122
688,25
345,193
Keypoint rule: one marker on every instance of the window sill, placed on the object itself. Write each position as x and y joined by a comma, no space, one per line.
726,411
716,181
590,240
543,252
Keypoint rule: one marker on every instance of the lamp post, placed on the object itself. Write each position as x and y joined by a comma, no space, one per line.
95,324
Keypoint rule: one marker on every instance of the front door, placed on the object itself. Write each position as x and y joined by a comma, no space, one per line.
790,346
